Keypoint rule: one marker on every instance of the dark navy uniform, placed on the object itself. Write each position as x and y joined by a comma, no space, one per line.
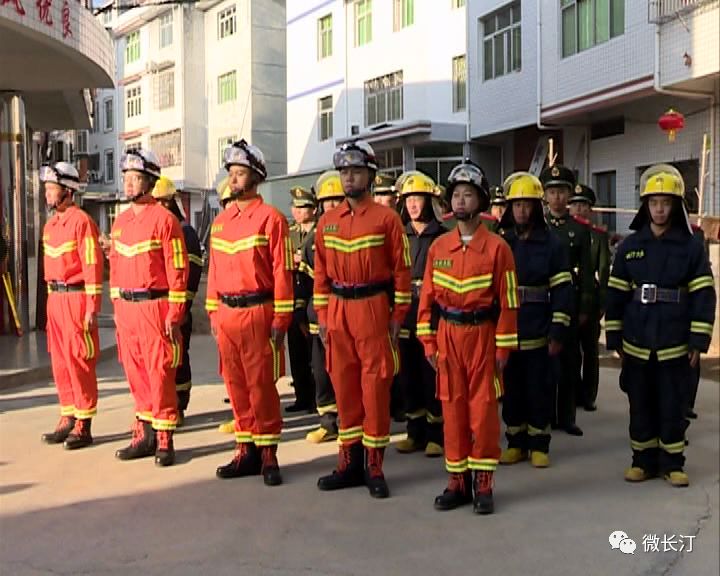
324,391
546,307
661,305
417,377
183,376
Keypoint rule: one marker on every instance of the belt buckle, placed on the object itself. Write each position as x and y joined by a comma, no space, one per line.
648,293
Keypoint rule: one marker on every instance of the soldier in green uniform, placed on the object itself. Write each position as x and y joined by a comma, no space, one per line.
558,182
581,203
498,203
303,210
384,191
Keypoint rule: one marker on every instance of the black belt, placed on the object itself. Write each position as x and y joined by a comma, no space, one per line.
533,294
651,293
142,295
473,317
56,286
358,291
245,300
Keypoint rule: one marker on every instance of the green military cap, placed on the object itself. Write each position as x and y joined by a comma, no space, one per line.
583,193
302,197
384,185
558,175
497,196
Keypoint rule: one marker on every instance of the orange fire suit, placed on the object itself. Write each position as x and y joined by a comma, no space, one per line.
249,292
361,258
148,279
474,288
73,264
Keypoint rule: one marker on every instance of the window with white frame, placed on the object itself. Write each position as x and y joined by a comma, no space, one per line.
81,142
325,37
363,22
223,143
586,23
133,101
166,29
167,147
325,118
384,99
108,115
109,166
403,14
459,80
457,3
227,87
227,22
164,89
502,42
132,47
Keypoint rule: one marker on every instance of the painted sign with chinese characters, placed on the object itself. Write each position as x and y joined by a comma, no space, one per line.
55,14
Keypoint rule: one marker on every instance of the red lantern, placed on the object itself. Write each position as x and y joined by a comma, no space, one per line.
671,122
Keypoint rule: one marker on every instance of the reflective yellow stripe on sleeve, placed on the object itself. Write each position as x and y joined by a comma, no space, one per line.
700,282
619,284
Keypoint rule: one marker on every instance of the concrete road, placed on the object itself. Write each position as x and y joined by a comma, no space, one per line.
87,513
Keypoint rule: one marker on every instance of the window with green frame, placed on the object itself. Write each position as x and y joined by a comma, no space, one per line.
325,37
132,47
227,87
403,14
587,23
363,22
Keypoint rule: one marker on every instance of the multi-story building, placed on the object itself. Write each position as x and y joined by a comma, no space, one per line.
191,79
392,72
595,76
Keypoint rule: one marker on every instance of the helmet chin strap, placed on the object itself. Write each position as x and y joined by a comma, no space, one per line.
354,192
55,205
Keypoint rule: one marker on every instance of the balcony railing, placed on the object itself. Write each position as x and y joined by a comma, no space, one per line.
660,11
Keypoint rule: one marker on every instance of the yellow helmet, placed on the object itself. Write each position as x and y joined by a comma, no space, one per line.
328,186
662,179
415,182
523,186
223,190
164,189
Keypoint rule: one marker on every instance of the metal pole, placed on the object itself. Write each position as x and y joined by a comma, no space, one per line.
13,129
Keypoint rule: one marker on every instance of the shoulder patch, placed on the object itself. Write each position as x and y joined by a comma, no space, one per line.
442,263
331,228
216,228
117,233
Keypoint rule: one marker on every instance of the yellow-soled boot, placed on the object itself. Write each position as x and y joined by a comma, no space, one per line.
320,435
539,459
513,456
408,445
227,427
636,474
433,450
677,478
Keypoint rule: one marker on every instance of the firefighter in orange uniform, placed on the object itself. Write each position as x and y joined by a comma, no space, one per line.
361,257
250,302
73,265
148,280
470,279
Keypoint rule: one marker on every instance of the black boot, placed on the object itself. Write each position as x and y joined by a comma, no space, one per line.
61,432
483,500
374,477
165,452
80,435
349,472
270,467
142,444
457,493
245,462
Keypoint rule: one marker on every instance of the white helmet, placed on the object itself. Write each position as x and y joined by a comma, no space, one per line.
355,154
243,154
139,160
62,173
